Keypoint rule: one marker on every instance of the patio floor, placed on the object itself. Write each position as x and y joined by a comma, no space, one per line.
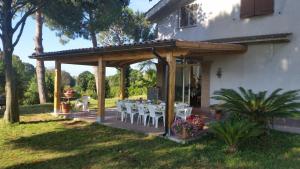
113,120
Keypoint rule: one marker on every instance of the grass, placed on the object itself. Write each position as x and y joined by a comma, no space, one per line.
41,141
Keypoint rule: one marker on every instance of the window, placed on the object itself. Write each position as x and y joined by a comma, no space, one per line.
188,15
250,8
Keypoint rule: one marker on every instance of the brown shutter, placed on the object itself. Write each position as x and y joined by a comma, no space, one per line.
264,7
247,8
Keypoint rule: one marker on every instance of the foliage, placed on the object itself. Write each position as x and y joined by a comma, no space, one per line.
259,107
85,18
23,73
233,133
193,126
127,28
86,85
31,95
86,81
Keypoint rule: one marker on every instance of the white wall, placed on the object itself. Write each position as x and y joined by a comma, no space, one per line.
263,66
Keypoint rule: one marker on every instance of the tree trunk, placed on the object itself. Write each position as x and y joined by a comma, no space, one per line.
94,42
40,67
11,114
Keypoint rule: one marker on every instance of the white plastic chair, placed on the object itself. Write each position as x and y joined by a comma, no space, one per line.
130,111
120,110
143,114
84,103
154,116
183,113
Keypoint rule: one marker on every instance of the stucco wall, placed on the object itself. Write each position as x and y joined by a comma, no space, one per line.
263,66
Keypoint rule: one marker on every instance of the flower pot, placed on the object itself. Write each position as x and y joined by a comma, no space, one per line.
184,134
218,115
65,107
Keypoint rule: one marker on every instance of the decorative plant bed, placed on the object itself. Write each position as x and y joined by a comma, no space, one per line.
189,129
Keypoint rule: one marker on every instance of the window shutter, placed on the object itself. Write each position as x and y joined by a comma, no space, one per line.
264,7
247,8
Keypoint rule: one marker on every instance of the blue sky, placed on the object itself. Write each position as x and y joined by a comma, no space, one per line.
51,43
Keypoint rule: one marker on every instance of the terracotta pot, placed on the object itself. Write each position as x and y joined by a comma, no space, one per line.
184,134
218,115
65,107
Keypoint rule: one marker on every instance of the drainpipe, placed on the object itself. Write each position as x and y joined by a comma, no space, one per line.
167,130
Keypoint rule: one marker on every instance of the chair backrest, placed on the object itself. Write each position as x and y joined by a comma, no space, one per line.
152,109
141,109
128,107
119,106
85,99
188,111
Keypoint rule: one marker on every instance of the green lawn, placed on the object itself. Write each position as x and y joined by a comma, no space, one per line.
42,142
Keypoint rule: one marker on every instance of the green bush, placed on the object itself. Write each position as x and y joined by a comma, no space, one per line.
259,107
235,132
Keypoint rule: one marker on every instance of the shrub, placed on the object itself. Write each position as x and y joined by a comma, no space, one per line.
259,107
235,132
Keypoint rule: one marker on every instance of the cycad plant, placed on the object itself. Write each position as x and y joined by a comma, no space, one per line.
235,132
259,107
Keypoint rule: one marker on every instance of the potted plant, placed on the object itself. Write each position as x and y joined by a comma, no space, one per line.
190,128
218,111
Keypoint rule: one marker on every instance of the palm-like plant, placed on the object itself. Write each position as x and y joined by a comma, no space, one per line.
259,107
235,132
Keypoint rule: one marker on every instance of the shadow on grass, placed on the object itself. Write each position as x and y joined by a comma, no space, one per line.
104,147
42,121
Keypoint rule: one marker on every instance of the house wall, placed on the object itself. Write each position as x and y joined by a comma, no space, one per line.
263,66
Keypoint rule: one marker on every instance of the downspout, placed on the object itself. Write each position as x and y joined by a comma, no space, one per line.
167,130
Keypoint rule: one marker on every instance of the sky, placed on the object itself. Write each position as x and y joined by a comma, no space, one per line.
51,42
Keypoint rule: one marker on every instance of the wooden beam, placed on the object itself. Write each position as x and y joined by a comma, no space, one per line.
57,86
122,83
101,90
129,62
205,84
211,46
171,98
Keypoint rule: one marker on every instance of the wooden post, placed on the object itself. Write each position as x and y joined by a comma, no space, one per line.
160,79
101,90
205,84
122,83
171,99
57,86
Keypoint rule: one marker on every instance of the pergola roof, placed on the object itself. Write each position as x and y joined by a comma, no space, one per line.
121,55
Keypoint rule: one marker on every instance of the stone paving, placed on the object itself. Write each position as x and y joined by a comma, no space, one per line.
112,119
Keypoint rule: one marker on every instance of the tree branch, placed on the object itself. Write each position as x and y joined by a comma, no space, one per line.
20,33
27,14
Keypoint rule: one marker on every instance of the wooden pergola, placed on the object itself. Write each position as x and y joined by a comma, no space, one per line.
123,55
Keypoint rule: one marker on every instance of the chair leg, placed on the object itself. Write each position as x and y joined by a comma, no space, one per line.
156,122
138,119
164,121
145,120
131,118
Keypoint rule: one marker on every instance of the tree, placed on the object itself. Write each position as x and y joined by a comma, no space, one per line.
17,11
40,67
92,17
128,27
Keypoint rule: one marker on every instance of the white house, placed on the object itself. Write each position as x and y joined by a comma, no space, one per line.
269,28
